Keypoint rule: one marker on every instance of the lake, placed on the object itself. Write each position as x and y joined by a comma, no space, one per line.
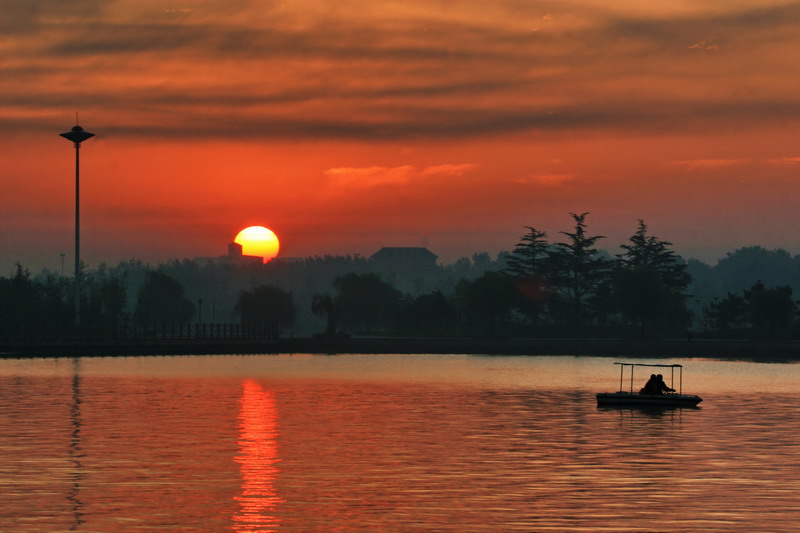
391,443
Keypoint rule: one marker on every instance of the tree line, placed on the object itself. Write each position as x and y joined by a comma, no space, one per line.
567,287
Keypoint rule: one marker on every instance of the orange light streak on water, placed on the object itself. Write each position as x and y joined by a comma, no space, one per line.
258,454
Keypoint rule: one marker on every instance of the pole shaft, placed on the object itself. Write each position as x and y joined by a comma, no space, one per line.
77,235
631,379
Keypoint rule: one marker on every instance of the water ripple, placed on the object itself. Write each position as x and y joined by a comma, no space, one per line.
141,452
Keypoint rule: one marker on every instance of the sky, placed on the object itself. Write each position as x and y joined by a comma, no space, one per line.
348,126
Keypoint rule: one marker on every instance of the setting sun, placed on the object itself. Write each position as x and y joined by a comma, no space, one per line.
258,241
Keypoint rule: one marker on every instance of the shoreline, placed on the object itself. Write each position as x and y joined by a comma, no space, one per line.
761,351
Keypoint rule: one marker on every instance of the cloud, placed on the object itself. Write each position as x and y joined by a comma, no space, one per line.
548,180
448,170
31,15
709,164
369,177
705,45
365,178
312,70
784,161
714,164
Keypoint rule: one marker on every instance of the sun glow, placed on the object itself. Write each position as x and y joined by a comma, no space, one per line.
258,241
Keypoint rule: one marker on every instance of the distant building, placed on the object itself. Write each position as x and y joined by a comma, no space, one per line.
407,260
236,255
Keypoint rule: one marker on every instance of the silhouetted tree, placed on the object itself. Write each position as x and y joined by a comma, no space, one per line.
481,262
266,306
430,315
323,305
579,270
771,310
531,266
641,296
740,269
366,302
530,256
650,282
18,298
650,252
113,298
55,301
161,300
487,301
728,314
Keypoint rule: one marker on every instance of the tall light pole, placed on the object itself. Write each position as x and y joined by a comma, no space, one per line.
77,135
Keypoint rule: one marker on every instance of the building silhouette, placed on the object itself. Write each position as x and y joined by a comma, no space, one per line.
235,256
399,259
408,269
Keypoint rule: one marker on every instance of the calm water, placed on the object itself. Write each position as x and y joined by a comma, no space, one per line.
397,443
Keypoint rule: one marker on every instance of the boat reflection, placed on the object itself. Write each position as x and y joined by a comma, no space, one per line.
258,454
648,409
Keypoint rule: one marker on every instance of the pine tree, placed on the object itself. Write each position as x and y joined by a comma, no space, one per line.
530,258
650,252
580,270
531,267
650,282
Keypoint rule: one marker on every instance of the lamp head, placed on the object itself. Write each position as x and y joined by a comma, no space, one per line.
77,134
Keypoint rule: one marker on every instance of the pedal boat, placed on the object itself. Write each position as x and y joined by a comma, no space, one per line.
631,398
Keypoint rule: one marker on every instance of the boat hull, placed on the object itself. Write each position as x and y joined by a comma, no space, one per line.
627,398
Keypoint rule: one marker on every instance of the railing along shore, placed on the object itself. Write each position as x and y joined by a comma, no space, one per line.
243,341
35,333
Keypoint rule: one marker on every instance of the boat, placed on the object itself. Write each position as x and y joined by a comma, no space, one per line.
632,398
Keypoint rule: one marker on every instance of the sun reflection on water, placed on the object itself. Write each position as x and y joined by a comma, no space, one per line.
258,455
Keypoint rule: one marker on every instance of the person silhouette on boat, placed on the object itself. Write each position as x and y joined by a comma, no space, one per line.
655,385
661,387
651,386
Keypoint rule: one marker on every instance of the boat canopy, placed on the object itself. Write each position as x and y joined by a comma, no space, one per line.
672,374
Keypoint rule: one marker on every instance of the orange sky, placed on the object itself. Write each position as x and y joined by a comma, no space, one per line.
349,126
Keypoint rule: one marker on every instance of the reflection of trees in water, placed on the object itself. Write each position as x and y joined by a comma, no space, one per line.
258,454
76,474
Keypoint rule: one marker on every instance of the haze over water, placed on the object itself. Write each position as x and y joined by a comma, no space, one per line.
377,442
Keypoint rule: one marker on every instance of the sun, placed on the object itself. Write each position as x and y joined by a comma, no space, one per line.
258,241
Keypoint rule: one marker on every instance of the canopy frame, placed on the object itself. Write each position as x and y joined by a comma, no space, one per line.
672,374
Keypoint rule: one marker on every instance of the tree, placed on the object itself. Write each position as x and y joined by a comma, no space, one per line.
488,300
113,297
266,305
579,270
103,299
728,314
650,252
19,298
740,269
161,300
530,265
430,315
55,301
366,302
771,310
641,296
323,305
481,262
650,282
529,259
